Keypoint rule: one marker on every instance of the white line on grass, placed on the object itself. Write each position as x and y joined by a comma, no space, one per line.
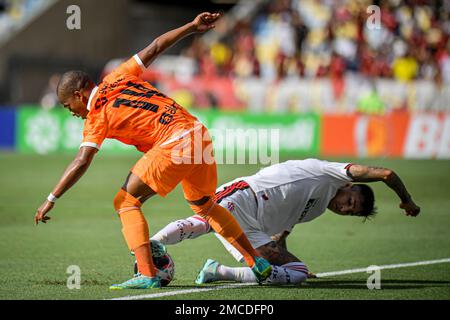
319,275
180,292
387,266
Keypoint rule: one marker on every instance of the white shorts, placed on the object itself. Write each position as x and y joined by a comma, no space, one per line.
242,205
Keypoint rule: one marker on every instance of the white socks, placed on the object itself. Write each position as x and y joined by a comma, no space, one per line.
179,230
240,274
195,226
289,273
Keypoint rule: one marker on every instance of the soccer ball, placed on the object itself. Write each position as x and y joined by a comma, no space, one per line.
165,266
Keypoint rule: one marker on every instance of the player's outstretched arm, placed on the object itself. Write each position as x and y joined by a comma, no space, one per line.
203,22
361,173
72,174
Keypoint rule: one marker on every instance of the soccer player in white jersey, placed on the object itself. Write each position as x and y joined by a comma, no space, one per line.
270,203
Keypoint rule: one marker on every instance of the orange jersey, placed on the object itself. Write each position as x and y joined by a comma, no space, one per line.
128,109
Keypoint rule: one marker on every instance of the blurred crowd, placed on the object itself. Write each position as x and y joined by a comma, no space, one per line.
328,38
328,56
14,12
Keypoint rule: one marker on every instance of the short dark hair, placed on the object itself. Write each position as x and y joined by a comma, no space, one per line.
72,81
368,201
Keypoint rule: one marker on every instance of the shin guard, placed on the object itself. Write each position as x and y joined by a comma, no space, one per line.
134,226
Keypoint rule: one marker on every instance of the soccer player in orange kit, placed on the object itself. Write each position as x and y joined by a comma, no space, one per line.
126,108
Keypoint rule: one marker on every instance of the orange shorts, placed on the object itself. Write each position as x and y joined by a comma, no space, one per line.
188,160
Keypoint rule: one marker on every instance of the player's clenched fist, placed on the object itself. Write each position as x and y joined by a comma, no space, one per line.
205,21
42,211
411,209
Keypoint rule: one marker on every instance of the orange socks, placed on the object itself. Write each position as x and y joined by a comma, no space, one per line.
243,245
144,260
223,222
135,231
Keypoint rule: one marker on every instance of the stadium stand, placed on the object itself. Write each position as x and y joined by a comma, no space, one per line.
321,56
264,56
16,14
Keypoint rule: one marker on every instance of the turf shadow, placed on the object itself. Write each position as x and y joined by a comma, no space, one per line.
391,284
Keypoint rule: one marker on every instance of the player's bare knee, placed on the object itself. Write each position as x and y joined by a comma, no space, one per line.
137,188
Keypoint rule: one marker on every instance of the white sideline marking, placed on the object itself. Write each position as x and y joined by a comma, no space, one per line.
179,292
319,275
387,266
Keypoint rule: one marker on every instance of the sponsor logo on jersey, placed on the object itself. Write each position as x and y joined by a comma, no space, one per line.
309,205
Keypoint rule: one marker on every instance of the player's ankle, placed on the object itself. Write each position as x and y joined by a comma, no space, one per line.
148,275
225,273
250,260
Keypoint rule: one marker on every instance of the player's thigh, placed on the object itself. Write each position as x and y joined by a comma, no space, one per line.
157,170
241,203
137,188
276,254
201,182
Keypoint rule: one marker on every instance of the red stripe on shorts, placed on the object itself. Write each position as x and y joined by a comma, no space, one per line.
228,191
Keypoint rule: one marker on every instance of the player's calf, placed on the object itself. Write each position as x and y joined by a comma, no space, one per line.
290,273
177,231
135,230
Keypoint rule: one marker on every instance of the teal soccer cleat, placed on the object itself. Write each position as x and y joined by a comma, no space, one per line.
262,269
139,282
208,272
158,249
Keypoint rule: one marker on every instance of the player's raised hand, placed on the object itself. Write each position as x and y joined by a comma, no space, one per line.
42,211
410,208
205,21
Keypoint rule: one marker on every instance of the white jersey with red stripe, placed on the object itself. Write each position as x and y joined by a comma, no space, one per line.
294,191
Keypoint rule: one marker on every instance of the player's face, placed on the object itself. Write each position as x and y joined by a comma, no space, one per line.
77,105
347,202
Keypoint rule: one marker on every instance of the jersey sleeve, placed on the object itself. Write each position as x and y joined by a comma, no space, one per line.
94,132
336,170
133,66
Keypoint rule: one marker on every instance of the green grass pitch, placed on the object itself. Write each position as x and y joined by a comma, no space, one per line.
85,231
